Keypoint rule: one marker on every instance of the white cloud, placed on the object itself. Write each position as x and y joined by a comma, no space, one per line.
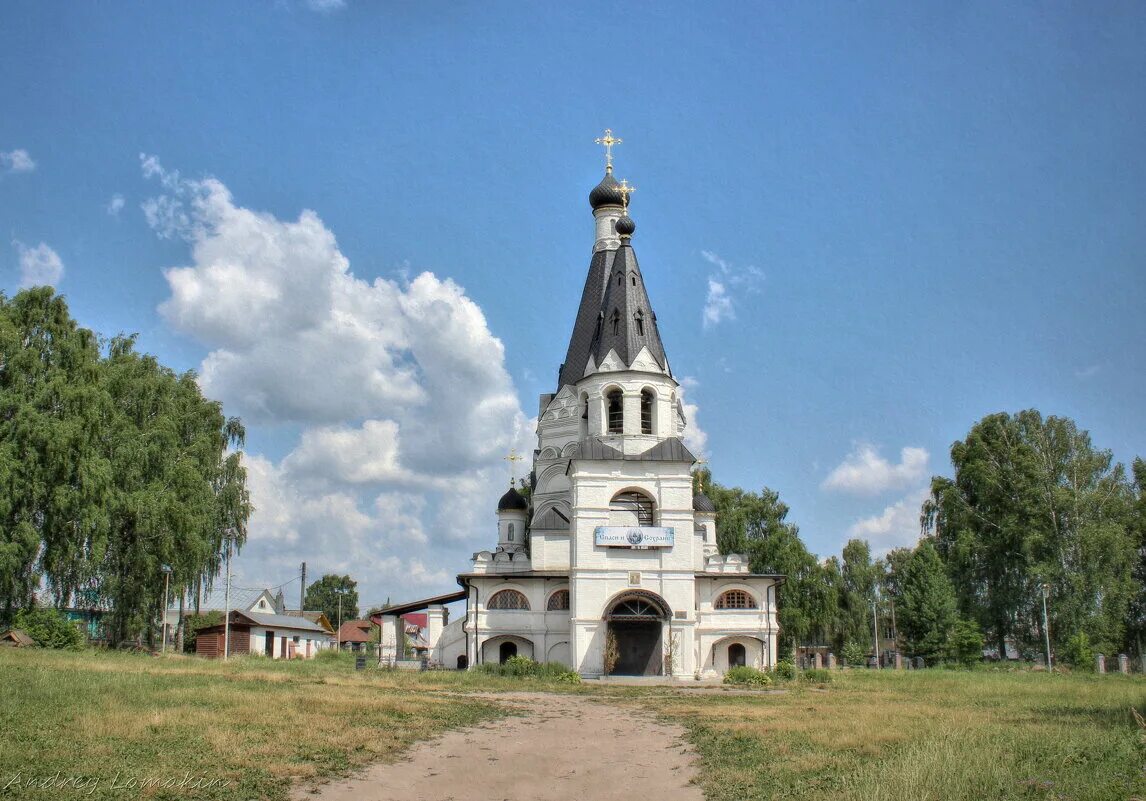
39,266
695,438
115,205
896,526
326,6
16,161
399,387
718,302
866,472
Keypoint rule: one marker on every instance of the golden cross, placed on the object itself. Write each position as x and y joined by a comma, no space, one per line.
608,140
511,458
626,189
699,478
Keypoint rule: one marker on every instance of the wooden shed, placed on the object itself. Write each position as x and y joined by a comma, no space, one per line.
276,636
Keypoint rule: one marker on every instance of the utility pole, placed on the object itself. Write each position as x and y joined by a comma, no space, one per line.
302,592
338,631
166,582
875,631
1046,626
227,601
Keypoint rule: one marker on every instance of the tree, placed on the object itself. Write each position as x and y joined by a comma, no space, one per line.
1136,619
927,608
861,579
49,628
111,467
324,594
1032,502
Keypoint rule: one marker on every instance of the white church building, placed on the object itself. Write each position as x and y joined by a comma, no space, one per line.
611,566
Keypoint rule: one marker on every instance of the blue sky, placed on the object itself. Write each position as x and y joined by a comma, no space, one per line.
899,217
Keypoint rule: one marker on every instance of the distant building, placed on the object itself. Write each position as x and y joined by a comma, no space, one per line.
273,635
354,635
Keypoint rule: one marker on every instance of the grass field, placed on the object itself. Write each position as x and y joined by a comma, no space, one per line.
922,736
115,721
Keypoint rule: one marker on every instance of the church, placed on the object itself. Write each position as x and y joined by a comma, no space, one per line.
610,566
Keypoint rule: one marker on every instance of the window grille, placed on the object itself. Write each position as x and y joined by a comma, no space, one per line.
736,599
558,601
639,504
508,599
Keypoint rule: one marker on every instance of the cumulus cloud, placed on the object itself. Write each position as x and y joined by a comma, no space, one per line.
115,205
866,472
39,265
898,525
695,438
398,388
16,161
718,303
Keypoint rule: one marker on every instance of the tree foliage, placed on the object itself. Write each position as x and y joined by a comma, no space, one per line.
926,607
111,467
1033,502
49,628
324,595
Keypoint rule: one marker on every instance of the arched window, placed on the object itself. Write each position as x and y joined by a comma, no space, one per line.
639,319
616,320
616,412
632,509
511,532
736,655
648,403
508,599
620,278
736,599
558,601
634,279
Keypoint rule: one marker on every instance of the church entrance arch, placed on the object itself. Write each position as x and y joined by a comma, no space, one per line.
634,624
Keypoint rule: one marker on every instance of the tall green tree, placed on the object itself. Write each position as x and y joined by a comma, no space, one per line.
927,611
324,594
1033,502
861,579
114,467
1136,525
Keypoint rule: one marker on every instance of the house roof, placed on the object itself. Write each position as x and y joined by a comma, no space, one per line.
419,619
215,600
318,617
280,621
18,637
355,631
415,606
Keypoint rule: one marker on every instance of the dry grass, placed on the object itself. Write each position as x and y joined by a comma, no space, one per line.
110,720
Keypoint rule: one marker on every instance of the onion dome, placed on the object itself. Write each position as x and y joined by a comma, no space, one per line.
607,193
626,226
512,500
701,503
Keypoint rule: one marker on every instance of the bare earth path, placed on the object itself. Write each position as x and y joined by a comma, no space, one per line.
562,748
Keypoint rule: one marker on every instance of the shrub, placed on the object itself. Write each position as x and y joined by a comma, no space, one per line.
49,628
854,654
817,676
785,669
524,667
1078,652
965,643
747,676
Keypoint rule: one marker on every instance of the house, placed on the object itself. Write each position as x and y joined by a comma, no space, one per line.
243,600
268,634
354,635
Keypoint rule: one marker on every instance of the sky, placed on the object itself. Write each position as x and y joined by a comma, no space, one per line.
863,227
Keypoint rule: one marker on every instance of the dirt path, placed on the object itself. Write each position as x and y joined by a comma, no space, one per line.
564,748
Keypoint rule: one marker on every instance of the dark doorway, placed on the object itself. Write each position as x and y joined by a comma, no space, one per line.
506,650
463,662
638,647
269,644
736,655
